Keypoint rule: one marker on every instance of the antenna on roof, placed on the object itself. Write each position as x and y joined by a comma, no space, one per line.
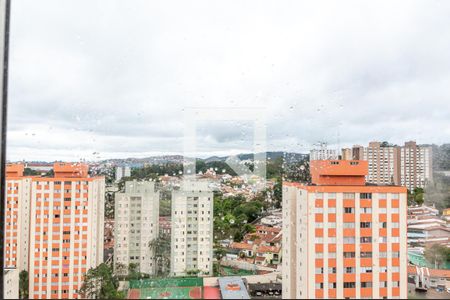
338,140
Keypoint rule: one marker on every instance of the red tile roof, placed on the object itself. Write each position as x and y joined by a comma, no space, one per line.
440,273
241,246
268,229
268,249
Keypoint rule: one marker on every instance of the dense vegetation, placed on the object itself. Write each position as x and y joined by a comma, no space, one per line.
175,169
161,255
100,283
437,192
30,172
441,157
23,284
233,215
437,255
416,197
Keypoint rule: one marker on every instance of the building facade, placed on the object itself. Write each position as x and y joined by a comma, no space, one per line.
383,164
192,229
119,173
66,230
346,154
343,238
17,219
409,165
415,165
322,152
10,283
136,226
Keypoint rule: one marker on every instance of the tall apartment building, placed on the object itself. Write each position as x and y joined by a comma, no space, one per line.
346,154
66,230
122,172
192,229
119,173
383,162
416,165
136,225
322,152
343,238
409,165
17,219
126,171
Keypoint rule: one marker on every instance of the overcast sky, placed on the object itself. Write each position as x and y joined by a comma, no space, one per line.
103,79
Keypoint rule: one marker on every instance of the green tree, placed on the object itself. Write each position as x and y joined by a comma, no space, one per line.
50,173
165,207
161,254
232,215
238,236
23,284
416,197
437,192
278,193
219,253
134,272
99,283
437,255
30,172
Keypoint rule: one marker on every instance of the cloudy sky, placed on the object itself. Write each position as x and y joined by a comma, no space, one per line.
103,79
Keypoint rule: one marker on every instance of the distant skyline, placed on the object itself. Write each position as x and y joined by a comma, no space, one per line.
99,80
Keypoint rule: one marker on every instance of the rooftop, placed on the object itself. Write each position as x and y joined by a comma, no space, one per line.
70,170
233,288
339,172
242,246
268,249
348,188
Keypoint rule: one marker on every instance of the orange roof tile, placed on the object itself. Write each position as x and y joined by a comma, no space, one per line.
412,270
267,228
267,249
242,246
440,273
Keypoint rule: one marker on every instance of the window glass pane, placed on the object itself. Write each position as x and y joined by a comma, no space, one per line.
216,149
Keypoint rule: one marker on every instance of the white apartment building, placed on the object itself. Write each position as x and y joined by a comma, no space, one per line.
382,163
409,165
323,153
119,173
192,229
127,171
415,165
136,225
122,172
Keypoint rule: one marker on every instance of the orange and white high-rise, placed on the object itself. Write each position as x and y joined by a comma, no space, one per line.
343,238
17,218
54,228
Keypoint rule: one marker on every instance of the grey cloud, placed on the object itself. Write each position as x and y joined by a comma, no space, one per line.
114,78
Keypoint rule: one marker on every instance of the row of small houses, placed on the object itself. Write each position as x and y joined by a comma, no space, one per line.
263,247
424,278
